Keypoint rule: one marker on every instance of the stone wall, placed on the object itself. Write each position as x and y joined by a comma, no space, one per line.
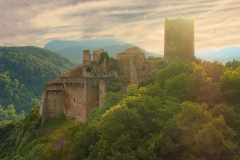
83,88
102,92
55,104
125,58
179,39
74,97
86,57
96,55
92,95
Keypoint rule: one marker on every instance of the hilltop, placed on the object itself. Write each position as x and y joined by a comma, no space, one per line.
188,110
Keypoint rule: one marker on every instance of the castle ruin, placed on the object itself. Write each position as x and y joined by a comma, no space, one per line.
83,88
179,39
134,63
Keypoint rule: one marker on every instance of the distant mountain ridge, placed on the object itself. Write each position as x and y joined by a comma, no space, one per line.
222,55
56,45
74,49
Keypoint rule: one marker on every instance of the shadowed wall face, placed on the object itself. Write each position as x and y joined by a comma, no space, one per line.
54,103
86,57
179,39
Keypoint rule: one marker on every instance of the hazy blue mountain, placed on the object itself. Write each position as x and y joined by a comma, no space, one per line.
57,45
75,52
74,49
222,55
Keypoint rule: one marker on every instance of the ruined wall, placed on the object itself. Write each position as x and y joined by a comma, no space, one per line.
83,88
102,92
96,55
131,54
103,66
179,39
133,73
92,95
86,57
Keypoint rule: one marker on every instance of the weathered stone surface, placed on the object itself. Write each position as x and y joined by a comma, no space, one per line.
179,39
83,88
96,55
86,57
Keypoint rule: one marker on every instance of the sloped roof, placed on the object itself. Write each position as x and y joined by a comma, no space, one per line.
76,72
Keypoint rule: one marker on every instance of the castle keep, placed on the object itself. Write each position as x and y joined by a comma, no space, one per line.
179,39
83,88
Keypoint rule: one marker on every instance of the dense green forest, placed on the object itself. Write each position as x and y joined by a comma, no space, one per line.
23,73
188,110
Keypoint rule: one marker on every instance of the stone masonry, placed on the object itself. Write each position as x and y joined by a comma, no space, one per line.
179,39
83,88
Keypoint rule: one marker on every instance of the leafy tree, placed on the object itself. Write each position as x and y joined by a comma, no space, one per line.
24,71
121,139
8,132
213,70
8,115
233,65
230,87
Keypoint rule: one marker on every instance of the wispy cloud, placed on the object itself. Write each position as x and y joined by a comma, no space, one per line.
140,22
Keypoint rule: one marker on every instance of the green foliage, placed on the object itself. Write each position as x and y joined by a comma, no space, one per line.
230,87
104,56
54,123
117,83
24,71
233,65
111,99
8,132
158,62
14,93
213,69
8,115
113,65
174,69
179,116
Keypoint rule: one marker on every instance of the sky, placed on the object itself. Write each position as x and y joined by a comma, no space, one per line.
139,22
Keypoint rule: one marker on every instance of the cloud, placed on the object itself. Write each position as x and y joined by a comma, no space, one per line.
141,22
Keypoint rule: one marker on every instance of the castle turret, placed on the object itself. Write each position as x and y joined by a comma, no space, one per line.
86,57
179,39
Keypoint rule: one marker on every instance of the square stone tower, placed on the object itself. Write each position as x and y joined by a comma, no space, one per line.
179,39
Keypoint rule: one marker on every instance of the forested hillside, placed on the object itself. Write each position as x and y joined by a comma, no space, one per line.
189,110
23,73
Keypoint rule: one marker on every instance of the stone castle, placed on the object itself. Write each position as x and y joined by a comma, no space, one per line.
179,39
83,88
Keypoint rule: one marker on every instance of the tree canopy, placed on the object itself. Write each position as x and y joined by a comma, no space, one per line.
23,73
190,111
